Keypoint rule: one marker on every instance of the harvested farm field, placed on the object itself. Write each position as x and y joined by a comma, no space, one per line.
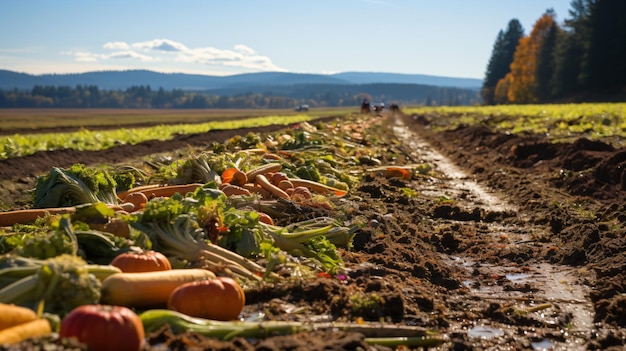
462,239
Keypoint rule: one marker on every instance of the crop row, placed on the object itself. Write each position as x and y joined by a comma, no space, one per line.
559,121
22,145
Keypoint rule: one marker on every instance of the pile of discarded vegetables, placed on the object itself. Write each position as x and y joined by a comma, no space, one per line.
182,240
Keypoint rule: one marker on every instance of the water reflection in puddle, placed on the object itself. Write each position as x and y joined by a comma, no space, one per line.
517,277
543,344
485,332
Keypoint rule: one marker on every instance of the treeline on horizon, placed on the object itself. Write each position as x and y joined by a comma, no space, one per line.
278,97
583,60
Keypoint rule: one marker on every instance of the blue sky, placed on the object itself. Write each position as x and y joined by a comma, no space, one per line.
436,37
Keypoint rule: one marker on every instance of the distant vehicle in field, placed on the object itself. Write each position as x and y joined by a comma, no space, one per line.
378,107
302,108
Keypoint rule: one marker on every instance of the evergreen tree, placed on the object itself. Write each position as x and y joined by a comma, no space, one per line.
546,61
606,56
501,58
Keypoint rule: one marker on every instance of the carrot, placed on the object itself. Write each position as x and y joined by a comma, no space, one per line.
34,329
122,195
270,156
168,190
284,185
264,169
255,189
9,218
397,172
12,315
264,183
230,189
317,187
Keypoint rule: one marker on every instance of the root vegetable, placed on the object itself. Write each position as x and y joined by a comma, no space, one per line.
166,190
148,289
34,329
317,187
301,192
8,218
138,199
284,185
12,315
230,190
264,169
123,194
264,183
278,177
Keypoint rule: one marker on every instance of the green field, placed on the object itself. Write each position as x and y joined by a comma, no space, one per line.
564,121
101,129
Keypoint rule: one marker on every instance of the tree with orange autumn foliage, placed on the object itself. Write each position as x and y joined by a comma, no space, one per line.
521,84
500,95
524,83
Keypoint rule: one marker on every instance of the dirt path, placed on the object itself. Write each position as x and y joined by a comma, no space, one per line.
545,285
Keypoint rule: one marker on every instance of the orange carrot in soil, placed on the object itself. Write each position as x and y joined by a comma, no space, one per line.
168,190
8,218
317,187
264,183
12,315
33,329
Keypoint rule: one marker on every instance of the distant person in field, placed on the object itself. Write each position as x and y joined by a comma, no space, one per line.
365,106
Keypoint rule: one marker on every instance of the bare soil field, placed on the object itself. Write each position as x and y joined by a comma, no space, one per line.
511,243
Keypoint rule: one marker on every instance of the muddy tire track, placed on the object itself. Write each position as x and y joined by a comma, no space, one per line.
553,294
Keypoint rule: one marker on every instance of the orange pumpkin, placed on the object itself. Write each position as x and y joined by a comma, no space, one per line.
141,261
219,299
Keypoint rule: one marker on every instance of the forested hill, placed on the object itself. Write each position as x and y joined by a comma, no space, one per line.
119,80
275,96
147,89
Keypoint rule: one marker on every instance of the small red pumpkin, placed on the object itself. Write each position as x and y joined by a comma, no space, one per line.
103,327
219,299
141,261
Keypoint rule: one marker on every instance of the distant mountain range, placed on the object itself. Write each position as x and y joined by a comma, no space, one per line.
120,80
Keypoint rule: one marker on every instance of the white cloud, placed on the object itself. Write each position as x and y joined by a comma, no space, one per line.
160,45
81,56
116,45
244,49
171,52
130,54
84,56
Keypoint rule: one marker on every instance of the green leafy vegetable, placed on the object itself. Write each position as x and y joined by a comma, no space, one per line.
74,186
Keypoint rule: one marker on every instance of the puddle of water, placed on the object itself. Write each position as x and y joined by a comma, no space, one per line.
544,344
485,332
456,177
517,277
